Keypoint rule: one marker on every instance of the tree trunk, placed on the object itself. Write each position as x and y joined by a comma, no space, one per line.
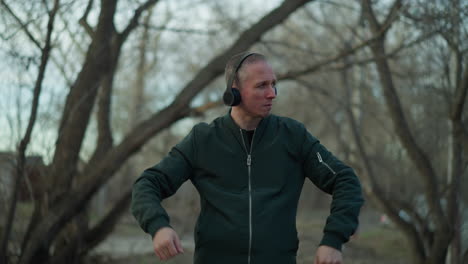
80,246
74,122
79,104
77,113
376,192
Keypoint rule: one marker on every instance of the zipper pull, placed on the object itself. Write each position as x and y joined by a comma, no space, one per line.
324,163
249,160
319,157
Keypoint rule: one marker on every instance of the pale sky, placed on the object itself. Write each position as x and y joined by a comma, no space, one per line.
16,83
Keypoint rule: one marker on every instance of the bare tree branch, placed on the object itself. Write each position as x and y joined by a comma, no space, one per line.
380,31
285,44
107,224
79,104
392,14
138,94
390,55
21,160
460,97
73,36
415,152
84,19
294,74
24,26
181,30
370,15
376,191
63,210
96,234
340,101
104,140
398,118
200,110
136,16
46,5
245,40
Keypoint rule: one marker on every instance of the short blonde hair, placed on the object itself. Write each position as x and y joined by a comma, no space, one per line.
229,70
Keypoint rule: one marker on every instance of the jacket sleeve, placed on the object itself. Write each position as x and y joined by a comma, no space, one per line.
336,178
160,182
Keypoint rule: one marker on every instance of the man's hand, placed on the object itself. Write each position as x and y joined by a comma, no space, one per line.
328,255
166,243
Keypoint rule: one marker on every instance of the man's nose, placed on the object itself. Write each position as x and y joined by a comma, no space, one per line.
271,93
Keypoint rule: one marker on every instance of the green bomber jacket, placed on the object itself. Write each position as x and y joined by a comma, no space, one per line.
249,193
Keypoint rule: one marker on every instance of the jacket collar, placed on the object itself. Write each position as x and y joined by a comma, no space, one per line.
231,125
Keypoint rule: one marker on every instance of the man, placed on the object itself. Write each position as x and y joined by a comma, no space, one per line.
249,167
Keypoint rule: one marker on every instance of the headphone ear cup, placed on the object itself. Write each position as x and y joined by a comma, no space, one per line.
235,96
232,97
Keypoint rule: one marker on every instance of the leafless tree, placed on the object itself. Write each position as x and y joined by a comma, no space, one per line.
62,201
21,152
436,228
429,237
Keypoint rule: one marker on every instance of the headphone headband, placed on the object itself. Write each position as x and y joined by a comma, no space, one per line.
231,96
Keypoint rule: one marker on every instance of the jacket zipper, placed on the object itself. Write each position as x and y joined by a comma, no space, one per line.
249,164
323,162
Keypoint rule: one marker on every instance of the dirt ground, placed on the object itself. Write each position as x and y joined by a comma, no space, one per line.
374,243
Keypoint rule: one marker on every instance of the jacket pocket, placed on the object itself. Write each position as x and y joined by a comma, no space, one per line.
321,161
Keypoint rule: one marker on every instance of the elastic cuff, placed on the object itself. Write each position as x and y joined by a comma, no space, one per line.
156,225
332,240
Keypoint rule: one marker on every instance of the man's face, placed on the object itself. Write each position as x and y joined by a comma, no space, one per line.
257,89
